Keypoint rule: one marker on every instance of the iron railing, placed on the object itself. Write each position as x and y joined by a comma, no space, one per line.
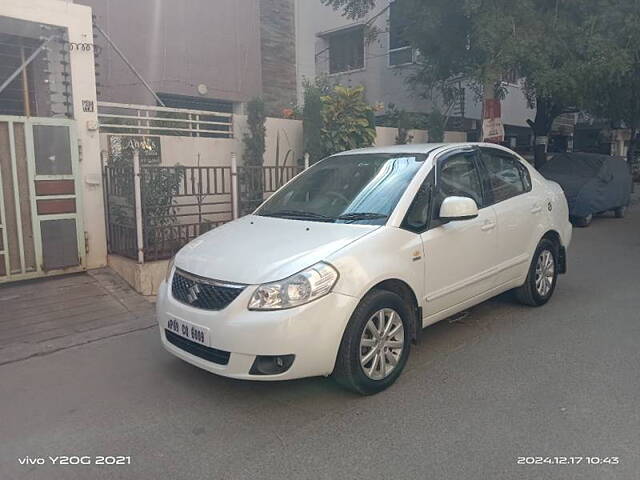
257,183
120,210
148,120
153,211
181,203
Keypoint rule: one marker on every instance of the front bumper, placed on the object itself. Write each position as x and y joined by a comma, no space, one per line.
311,332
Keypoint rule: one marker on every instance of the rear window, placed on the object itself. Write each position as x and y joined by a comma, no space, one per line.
507,176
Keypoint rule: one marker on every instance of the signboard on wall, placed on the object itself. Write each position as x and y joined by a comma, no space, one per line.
492,127
121,147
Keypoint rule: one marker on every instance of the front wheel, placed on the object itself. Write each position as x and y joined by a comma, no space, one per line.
375,345
542,276
582,221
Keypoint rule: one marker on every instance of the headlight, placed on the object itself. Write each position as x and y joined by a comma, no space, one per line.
169,269
298,289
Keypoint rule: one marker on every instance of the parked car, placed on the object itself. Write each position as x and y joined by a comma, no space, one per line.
338,272
593,184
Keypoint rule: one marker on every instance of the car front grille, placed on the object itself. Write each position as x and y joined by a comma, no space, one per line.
207,353
203,293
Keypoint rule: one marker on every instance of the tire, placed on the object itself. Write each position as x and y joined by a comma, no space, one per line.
620,211
583,221
349,370
532,293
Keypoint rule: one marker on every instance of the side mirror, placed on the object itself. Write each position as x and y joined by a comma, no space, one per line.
458,208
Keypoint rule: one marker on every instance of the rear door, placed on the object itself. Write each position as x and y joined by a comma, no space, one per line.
460,255
518,209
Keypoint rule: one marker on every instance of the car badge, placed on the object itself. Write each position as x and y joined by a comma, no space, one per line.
194,291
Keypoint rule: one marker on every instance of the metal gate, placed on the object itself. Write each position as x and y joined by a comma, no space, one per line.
41,231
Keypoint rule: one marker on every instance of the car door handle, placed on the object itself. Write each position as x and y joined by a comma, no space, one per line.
488,225
536,209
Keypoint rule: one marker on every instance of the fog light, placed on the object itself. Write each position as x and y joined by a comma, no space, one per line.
271,364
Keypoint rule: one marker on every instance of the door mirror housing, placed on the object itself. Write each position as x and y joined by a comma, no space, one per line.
458,208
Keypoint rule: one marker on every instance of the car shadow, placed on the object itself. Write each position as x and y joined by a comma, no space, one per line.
436,342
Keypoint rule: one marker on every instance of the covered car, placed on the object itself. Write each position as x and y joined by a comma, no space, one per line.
593,183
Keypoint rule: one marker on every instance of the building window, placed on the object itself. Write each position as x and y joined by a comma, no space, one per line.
195,103
400,50
221,128
43,88
346,50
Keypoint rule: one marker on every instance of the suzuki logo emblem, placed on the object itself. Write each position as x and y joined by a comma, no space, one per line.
194,291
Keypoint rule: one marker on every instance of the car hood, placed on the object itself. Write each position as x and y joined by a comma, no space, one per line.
257,249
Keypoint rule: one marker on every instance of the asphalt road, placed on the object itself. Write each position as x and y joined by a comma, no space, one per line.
506,381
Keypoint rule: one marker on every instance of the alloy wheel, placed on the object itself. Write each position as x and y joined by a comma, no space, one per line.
545,273
381,344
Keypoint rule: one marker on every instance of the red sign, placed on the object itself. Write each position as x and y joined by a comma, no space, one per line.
492,127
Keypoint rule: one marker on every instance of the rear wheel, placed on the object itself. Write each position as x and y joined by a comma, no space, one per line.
583,221
620,211
375,345
542,276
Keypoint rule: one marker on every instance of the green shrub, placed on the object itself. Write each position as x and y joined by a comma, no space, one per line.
347,120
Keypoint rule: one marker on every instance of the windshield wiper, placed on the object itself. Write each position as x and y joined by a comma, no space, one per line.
357,216
298,214
302,215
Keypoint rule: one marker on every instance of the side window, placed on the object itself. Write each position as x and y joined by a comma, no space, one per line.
526,177
507,176
459,177
419,213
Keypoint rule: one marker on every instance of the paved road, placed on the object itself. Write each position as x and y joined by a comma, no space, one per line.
505,381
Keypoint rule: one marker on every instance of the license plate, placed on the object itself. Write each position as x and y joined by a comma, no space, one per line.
188,330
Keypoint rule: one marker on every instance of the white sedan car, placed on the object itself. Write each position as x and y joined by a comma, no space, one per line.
338,272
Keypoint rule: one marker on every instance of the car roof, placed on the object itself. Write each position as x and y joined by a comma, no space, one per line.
419,148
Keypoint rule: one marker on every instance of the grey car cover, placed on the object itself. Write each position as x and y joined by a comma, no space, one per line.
592,182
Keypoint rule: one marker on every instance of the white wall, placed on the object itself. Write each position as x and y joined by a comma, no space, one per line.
216,152
77,20
290,133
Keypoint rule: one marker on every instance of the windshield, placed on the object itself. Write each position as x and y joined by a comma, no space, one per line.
346,189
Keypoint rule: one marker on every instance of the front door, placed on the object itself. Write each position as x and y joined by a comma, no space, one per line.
41,229
459,255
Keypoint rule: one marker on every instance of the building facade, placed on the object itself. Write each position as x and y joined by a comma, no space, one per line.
328,43
201,56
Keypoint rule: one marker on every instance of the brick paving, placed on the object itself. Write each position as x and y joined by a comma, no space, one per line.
45,315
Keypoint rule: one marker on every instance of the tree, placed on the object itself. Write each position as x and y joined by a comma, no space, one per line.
555,52
251,185
547,41
613,89
312,121
352,8
457,40
254,139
